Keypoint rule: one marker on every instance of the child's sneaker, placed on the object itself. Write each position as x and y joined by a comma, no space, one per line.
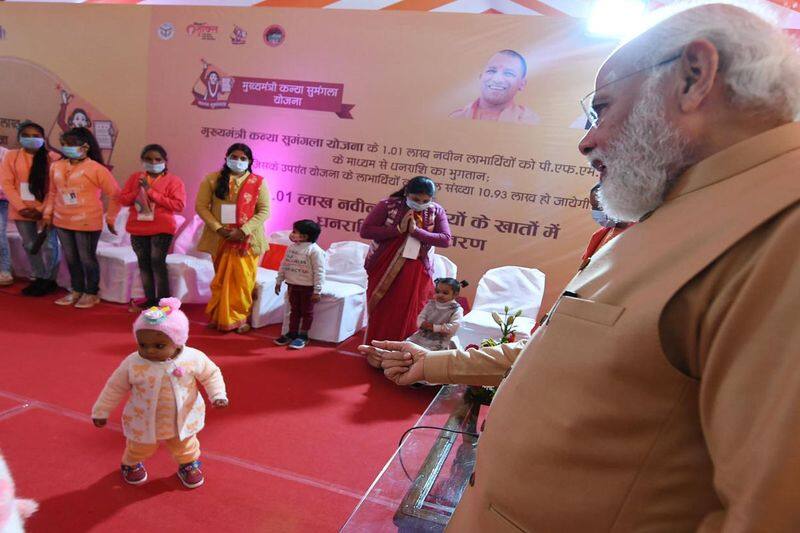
134,475
6,278
283,340
190,475
299,343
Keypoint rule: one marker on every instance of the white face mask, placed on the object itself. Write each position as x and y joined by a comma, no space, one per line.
155,168
237,165
416,206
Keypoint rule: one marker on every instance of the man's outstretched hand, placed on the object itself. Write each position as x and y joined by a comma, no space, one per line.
401,361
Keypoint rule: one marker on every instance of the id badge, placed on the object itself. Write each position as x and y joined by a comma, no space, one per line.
411,250
25,193
228,214
70,198
144,213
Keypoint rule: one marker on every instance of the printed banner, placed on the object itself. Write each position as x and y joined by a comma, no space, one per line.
486,106
215,90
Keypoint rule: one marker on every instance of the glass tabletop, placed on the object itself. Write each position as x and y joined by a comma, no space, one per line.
422,483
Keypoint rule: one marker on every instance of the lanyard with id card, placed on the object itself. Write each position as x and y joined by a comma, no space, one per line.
228,213
70,197
25,193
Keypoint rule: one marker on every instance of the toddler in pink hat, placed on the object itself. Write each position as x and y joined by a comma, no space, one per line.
164,403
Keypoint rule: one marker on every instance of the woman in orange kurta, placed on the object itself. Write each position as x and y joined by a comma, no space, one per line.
24,177
74,208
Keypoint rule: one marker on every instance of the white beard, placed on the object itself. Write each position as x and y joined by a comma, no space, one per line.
644,161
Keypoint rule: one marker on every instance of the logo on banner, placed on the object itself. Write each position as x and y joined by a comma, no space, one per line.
216,90
274,35
2,33
166,31
206,32
212,89
238,35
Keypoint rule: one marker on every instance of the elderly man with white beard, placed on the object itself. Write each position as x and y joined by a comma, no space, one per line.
662,392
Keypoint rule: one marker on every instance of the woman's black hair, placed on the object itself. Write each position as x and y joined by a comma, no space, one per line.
417,185
40,168
452,283
154,148
309,228
81,136
223,182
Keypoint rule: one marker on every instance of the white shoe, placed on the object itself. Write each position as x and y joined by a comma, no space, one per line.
6,279
70,299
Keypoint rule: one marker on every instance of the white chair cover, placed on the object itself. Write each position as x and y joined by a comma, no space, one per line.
342,310
190,271
512,286
120,280
443,267
122,238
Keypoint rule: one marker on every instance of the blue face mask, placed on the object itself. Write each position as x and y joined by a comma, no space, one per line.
155,168
236,165
416,206
72,152
602,219
31,143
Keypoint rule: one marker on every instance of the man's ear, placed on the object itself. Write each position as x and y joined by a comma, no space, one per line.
698,64
523,84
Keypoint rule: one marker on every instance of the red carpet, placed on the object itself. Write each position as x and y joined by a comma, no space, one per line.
305,435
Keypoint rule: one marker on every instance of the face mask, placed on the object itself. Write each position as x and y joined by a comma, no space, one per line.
155,168
416,206
603,220
72,152
236,165
31,143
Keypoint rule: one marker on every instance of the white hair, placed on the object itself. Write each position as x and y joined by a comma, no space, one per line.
643,162
758,61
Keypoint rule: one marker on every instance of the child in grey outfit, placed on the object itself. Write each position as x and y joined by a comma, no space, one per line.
440,318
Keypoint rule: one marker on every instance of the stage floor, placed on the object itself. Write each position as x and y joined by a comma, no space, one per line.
305,435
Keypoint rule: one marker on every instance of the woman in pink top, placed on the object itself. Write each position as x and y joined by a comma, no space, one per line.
154,196
73,206
24,176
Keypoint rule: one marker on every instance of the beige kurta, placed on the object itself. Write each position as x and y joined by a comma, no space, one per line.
665,396
209,207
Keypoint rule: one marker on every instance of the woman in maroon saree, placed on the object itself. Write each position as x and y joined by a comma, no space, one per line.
406,224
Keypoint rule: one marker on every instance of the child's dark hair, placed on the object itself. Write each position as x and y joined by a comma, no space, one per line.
224,181
154,148
40,168
417,185
79,136
309,228
453,283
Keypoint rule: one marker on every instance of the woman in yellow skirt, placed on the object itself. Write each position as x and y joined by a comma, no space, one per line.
234,204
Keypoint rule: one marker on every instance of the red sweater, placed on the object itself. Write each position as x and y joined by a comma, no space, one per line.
166,195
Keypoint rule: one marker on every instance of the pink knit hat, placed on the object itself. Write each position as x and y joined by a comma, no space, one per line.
166,318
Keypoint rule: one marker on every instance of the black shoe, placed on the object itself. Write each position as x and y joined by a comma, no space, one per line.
283,340
49,286
147,304
34,288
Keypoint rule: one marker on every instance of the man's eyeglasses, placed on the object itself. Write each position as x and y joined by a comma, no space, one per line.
592,116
